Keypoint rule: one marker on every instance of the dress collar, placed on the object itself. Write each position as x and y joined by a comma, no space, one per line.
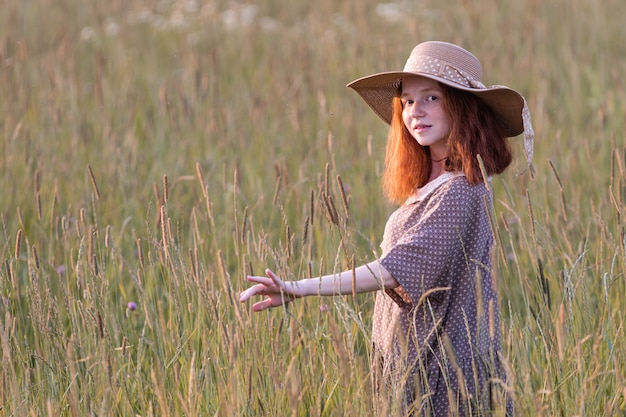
431,186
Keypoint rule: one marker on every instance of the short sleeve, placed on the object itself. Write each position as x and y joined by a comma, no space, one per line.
428,245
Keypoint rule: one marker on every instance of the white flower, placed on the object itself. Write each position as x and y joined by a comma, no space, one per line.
87,34
111,28
390,11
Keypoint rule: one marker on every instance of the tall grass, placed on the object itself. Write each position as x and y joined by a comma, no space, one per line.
156,153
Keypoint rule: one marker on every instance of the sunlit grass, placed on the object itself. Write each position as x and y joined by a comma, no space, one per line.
158,153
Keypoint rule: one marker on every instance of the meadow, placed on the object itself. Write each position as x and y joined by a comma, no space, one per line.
154,153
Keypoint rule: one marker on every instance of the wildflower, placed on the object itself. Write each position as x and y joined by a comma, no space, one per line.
130,307
111,27
87,34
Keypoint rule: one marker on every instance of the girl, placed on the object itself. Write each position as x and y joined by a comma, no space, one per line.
436,332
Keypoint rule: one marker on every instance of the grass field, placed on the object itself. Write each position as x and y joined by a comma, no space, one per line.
154,153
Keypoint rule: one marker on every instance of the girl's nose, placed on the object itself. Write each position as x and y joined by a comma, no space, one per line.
418,109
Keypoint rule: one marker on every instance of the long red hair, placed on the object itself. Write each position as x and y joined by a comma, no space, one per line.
474,130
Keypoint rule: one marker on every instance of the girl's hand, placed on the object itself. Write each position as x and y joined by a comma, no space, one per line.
275,290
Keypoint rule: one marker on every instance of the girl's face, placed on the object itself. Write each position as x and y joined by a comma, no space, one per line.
423,114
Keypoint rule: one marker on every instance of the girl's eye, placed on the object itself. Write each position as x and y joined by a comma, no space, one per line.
431,98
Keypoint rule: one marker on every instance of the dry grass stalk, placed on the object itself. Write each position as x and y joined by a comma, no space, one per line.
91,244
227,284
531,216
560,333
312,207
344,199
166,190
96,270
157,194
159,389
326,180
205,193
94,185
305,231
124,346
18,244
288,239
192,388
164,231
201,179
276,190
140,253
562,193
244,225
492,320
100,325
615,202
72,398
353,267
196,229
38,205
107,237
7,266
37,187
331,211
37,182
35,256
192,262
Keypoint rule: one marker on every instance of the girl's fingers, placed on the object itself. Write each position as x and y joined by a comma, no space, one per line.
262,305
252,291
245,295
260,280
275,280
271,301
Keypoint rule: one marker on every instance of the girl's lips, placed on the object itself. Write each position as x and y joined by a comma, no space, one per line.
421,127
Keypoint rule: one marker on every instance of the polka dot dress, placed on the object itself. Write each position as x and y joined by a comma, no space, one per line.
436,336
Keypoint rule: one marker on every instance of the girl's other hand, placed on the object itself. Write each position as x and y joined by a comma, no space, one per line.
276,291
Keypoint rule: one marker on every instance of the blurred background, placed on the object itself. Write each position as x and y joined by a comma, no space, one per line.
156,152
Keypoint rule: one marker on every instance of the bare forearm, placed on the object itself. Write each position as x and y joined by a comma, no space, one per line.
370,277
366,278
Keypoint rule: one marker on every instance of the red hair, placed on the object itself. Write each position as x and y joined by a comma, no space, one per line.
407,163
474,130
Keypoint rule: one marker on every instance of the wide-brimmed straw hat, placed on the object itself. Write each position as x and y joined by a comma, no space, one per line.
458,68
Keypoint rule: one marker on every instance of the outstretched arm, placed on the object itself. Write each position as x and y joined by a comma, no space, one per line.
370,277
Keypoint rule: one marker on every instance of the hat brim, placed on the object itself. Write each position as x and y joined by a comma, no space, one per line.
378,91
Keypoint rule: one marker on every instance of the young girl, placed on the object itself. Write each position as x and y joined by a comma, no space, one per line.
436,331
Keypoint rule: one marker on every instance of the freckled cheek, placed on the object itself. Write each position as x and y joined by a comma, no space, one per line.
406,118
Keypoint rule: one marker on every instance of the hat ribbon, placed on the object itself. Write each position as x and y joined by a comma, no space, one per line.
443,69
529,134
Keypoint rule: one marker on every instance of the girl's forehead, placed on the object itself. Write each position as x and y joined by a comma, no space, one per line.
415,82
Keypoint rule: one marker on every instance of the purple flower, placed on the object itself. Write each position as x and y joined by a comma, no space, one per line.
132,306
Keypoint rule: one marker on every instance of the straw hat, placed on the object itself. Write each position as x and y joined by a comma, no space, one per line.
456,67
